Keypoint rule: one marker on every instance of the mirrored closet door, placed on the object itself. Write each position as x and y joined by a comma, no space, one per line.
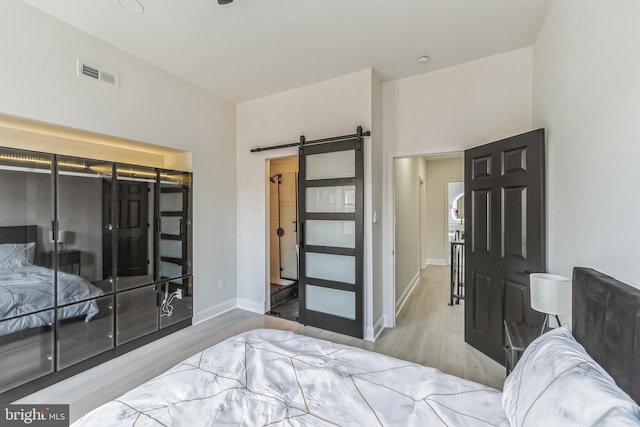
93,255
82,250
27,287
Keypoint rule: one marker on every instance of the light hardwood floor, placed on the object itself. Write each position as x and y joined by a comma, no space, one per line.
428,331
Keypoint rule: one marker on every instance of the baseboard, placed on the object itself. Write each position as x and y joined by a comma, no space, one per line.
436,261
216,310
250,305
388,322
407,293
372,333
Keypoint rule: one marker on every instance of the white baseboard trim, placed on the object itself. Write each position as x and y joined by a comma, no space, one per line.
437,261
388,323
216,310
407,293
250,305
372,333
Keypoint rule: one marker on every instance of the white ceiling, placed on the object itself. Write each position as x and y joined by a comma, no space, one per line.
252,48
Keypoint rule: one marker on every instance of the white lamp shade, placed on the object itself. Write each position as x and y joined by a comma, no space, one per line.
62,235
550,293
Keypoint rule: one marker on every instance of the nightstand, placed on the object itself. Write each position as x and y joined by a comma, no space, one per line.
65,259
518,336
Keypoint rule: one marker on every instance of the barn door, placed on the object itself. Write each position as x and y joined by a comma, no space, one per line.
330,204
504,236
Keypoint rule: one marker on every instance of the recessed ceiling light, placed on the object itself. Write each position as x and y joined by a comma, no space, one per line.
133,6
423,59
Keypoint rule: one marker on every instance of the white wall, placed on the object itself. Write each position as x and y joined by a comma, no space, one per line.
438,173
330,108
587,94
449,110
375,298
38,81
408,174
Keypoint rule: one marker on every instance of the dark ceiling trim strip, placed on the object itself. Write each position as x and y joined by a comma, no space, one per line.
358,135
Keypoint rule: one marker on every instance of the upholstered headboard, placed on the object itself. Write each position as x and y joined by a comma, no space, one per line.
606,321
19,234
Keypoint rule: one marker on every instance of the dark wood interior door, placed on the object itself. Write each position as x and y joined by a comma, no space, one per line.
505,232
132,208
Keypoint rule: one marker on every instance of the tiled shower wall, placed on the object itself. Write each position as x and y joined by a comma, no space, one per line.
288,167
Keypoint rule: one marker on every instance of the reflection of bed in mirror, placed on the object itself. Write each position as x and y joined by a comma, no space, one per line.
26,288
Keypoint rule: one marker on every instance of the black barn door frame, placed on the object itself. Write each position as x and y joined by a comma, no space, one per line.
354,142
314,318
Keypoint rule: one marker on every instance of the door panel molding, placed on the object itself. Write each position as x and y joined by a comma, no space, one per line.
505,207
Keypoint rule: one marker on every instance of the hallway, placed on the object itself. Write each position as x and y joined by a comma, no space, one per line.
430,332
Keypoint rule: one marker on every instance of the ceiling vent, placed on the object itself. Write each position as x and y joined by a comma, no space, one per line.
96,73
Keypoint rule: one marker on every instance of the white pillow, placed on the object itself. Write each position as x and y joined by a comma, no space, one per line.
556,383
13,255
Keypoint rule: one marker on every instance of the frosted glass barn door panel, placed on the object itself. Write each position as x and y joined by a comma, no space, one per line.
337,268
338,164
331,235
336,199
331,301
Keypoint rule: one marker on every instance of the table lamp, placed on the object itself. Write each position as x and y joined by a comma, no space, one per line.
62,236
550,294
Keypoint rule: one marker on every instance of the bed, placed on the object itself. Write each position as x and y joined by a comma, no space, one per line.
26,289
269,377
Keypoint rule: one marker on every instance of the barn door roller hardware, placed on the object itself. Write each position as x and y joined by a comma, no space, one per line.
358,135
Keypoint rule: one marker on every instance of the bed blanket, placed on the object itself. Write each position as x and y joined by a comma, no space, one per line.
28,289
278,378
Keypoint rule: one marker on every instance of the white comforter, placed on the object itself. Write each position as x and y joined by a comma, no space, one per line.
268,377
27,289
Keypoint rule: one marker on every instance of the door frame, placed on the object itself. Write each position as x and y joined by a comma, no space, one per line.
389,232
422,199
282,154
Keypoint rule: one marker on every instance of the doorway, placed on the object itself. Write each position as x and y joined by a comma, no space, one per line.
422,232
283,239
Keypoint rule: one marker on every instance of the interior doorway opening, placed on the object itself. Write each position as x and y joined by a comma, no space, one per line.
424,228
283,238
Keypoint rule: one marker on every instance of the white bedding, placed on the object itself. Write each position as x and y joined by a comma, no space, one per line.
268,377
26,289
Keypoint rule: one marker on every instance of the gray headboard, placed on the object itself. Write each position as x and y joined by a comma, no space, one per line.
606,321
19,234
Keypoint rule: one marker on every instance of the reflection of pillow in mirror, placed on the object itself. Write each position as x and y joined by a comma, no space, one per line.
13,255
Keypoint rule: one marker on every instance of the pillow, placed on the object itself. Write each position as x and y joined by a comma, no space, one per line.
556,383
13,255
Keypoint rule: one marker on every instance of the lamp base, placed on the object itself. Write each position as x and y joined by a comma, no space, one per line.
545,324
